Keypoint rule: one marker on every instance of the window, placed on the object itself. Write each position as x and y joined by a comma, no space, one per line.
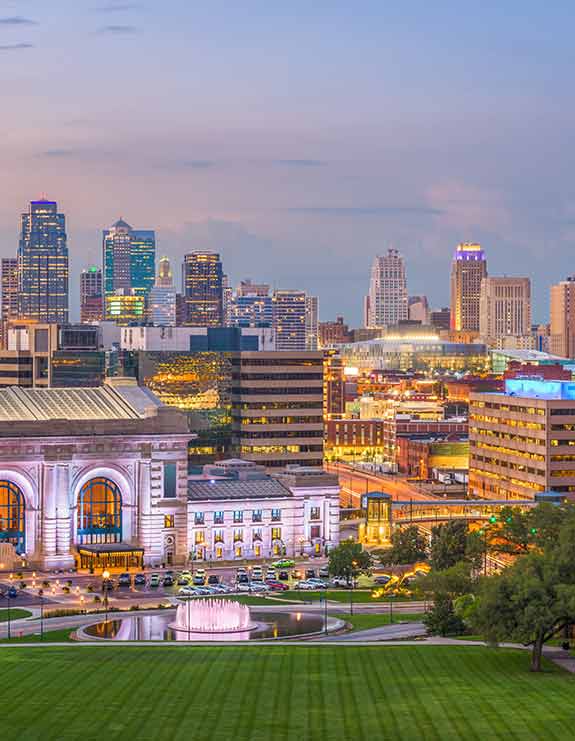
218,536
257,515
257,534
238,516
99,512
218,518
276,533
315,513
199,537
315,532
238,535
12,528
276,515
169,520
199,518
170,480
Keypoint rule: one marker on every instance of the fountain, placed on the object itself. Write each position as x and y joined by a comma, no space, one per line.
213,616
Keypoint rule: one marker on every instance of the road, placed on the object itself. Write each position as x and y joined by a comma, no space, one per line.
355,483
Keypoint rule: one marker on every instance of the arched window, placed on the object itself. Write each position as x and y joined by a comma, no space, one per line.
99,512
12,508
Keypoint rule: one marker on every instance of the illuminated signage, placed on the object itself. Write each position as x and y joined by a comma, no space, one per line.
536,388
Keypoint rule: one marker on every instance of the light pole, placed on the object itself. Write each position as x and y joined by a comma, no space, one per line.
325,611
105,577
41,595
353,565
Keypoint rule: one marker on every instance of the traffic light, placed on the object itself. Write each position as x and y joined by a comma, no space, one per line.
493,519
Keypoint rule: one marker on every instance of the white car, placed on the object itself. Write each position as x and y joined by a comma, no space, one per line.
320,583
306,585
271,574
243,587
187,592
259,586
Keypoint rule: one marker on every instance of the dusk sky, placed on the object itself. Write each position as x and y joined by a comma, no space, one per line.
298,139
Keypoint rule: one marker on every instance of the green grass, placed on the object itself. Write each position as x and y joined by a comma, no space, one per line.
365,622
16,613
51,635
342,595
281,693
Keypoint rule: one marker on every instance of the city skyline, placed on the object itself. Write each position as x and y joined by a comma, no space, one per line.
275,159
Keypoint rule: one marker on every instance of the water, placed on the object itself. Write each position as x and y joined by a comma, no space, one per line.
156,628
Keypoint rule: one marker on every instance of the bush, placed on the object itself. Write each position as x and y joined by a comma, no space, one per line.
441,619
134,607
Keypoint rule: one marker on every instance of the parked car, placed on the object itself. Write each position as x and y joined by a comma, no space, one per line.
140,579
284,563
183,580
276,586
10,593
125,580
340,581
186,592
270,574
324,572
382,579
297,574
244,586
283,576
310,573
259,586
155,580
320,583
213,579
306,585
200,578
257,573
168,580
243,579
185,574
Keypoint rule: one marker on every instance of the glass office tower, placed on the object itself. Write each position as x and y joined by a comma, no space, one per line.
203,289
43,264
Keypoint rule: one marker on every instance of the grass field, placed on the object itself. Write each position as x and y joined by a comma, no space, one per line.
365,622
343,595
276,693
16,613
49,635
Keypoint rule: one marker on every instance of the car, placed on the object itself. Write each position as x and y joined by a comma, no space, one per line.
10,593
270,574
276,586
186,574
306,585
169,572
140,579
241,570
257,572
297,574
155,580
283,576
321,583
125,580
324,572
382,579
340,581
199,578
186,592
244,586
168,580
213,579
310,573
259,586
243,579
284,563
183,580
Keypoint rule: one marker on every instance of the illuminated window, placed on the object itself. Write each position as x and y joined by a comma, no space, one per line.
12,528
169,520
99,512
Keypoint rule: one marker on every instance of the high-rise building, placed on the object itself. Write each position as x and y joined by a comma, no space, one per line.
227,301
440,319
419,309
125,307
562,325
289,319
43,264
162,297
331,333
387,303
129,259
505,312
203,289
468,269
9,280
311,322
252,305
91,295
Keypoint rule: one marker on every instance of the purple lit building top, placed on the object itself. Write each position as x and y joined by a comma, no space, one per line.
469,251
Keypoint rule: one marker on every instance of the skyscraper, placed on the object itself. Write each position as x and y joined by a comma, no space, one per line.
311,322
203,289
387,303
562,326
91,295
505,312
289,319
162,297
43,264
252,305
468,269
9,278
129,259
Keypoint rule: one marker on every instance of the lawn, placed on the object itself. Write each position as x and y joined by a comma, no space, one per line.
16,613
56,636
365,622
277,693
342,595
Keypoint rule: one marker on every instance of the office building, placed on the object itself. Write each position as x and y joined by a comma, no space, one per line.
227,301
562,324
162,297
333,333
203,289
125,306
91,295
419,309
505,312
43,264
252,305
290,319
468,269
387,303
148,338
311,322
522,441
129,260
277,408
9,299
440,319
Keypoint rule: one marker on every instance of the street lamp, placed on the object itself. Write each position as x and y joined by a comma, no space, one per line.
105,577
354,566
41,595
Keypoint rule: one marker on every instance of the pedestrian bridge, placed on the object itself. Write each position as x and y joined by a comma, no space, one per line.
408,512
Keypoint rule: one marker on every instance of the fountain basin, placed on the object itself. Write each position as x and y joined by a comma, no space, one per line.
214,616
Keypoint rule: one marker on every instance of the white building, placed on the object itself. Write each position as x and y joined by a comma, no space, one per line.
387,303
289,319
252,515
179,338
311,322
505,313
162,297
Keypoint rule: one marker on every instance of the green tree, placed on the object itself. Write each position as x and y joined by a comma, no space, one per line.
448,544
349,560
453,582
442,619
408,545
515,532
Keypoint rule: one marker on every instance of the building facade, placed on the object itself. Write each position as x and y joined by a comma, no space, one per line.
505,312
203,283
43,264
311,322
468,269
562,324
162,297
522,441
91,295
387,303
252,305
290,319
9,299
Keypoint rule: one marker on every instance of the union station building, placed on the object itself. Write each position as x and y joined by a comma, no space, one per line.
97,478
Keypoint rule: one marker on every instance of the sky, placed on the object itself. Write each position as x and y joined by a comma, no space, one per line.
298,139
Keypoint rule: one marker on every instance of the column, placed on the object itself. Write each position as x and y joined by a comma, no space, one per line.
49,509
63,521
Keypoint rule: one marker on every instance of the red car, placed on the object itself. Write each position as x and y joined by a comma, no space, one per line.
276,586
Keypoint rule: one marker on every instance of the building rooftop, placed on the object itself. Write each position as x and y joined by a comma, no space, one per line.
223,489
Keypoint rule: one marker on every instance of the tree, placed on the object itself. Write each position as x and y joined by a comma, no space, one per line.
516,532
453,582
530,600
442,619
349,560
408,545
448,544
